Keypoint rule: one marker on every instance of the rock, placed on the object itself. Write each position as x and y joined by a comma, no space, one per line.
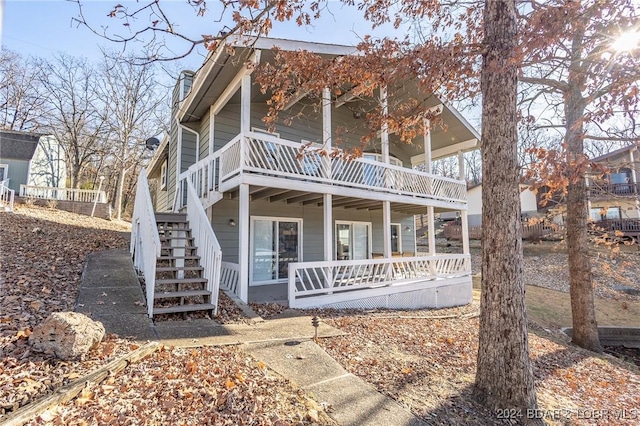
69,335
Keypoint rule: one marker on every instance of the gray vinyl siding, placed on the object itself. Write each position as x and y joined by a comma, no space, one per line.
312,226
18,172
189,145
227,125
307,127
203,149
162,199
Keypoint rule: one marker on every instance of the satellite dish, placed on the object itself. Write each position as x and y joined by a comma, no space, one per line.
152,143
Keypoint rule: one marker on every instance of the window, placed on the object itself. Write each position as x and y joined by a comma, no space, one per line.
4,172
163,175
275,242
353,240
604,213
396,238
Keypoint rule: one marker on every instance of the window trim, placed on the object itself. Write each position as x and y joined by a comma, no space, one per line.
351,222
6,172
252,228
163,174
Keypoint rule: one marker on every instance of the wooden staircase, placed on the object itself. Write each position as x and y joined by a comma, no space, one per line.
180,286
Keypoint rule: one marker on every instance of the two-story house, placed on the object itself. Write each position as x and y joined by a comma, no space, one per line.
614,195
274,219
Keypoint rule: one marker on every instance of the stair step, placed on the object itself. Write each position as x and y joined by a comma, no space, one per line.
170,216
184,308
175,237
168,230
178,268
184,293
179,257
179,247
180,280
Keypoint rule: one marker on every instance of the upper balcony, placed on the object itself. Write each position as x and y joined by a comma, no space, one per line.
605,190
267,161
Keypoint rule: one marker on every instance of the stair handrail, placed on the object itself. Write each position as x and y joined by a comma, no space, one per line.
7,195
145,244
205,240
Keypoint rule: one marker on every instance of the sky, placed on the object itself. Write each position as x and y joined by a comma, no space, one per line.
45,27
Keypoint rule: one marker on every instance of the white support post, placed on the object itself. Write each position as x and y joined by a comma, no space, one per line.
461,172
465,232
384,131
386,223
635,164
427,145
326,130
243,242
431,226
245,104
329,246
328,227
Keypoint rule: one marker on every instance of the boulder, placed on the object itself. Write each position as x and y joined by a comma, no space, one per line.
69,335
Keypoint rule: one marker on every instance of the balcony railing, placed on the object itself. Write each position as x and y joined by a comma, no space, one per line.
315,283
614,189
63,194
267,155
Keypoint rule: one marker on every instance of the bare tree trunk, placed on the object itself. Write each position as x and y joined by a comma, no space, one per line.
504,378
585,327
120,189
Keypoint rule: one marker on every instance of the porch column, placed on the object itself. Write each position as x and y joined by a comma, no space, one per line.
384,131
245,104
465,232
386,205
427,145
431,226
635,158
326,130
386,223
461,172
329,247
243,242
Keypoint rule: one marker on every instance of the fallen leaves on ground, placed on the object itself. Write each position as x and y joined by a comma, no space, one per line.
41,262
211,385
428,364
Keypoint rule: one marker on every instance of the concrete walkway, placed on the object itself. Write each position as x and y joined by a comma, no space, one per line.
111,293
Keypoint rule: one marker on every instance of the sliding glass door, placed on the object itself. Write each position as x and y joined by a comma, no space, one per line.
353,240
275,242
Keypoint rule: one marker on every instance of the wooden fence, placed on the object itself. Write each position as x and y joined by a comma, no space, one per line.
537,231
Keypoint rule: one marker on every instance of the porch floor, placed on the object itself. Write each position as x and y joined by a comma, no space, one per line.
271,293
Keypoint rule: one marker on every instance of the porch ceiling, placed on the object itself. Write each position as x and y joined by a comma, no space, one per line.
315,199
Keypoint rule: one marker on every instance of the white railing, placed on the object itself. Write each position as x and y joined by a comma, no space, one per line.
63,194
265,154
331,279
205,239
6,196
229,276
145,242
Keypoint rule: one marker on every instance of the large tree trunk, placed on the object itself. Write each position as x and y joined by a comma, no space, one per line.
504,377
585,327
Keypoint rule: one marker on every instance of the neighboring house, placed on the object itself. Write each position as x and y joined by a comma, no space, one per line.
289,224
614,197
528,204
31,159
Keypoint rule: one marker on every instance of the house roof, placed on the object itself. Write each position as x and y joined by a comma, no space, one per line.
615,153
222,66
18,145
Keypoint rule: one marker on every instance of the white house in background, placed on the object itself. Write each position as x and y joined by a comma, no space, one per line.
528,204
271,219
31,159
